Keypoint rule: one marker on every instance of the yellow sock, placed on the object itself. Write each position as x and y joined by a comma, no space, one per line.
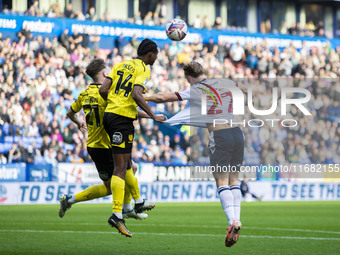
127,195
92,192
132,183
117,189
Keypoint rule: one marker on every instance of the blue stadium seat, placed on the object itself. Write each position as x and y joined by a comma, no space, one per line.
5,128
25,139
2,148
9,139
8,146
31,139
38,140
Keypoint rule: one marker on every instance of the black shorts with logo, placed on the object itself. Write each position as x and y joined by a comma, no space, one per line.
103,160
121,132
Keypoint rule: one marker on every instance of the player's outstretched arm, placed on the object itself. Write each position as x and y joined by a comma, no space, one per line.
137,95
73,116
142,114
162,98
105,87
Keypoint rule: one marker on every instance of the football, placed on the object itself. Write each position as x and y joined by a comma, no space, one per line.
176,29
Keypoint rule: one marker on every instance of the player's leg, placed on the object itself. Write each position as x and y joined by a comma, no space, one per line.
132,183
127,206
220,156
128,210
236,161
235,226
226,197
118,191
92,192
104,165
118,182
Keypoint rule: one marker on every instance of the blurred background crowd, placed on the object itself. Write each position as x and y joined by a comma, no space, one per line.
41,77
312,27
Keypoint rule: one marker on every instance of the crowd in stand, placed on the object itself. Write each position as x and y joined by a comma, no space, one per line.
40,78
157,17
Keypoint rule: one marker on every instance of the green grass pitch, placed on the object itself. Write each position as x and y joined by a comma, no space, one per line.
181,228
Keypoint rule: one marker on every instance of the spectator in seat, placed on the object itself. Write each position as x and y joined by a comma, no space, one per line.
14,155
92,14
76,38
237,53
68,13
64,39
25,33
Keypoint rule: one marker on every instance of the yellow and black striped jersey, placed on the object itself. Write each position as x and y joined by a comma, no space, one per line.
124,77
94,107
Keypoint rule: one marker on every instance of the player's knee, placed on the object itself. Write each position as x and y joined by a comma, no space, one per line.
221,182
108,186
134,168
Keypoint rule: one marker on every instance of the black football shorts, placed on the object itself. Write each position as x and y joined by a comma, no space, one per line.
103,160
121,132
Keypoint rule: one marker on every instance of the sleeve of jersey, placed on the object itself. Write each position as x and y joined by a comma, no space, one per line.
142,78
76,105
183,95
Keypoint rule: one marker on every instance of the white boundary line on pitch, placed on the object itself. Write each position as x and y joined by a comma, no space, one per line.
164,234
193,226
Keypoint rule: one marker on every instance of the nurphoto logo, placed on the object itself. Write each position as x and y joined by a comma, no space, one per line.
236,104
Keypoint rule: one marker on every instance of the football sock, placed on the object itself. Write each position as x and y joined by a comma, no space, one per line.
227,201
72,200
117,188
235,190
90,193
127,195
132,184
127,206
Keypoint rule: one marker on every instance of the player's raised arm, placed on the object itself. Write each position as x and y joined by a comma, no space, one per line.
162,98
137,95
105,87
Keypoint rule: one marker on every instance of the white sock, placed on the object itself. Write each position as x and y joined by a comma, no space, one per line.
127,207
235,190
227,202
119,215
139,200
72,200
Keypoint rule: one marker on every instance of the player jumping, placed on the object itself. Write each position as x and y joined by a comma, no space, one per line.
226,143
123,89
98,146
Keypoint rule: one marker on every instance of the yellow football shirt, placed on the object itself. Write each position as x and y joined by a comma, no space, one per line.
125,76
94,106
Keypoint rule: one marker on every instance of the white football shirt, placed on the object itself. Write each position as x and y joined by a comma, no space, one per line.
208,100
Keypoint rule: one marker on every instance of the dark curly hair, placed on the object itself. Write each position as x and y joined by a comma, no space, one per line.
147,46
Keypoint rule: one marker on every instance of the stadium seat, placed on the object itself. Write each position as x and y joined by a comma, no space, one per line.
8,146
2,148
25,140
9,139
